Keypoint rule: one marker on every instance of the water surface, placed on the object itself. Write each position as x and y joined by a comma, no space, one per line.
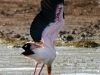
69,61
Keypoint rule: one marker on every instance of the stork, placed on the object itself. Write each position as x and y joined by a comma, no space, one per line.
45,28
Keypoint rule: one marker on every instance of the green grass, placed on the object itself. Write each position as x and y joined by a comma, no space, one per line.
19,43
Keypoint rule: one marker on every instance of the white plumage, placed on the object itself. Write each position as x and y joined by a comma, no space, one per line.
45,53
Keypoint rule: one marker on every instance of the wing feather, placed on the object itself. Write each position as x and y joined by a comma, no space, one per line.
44,18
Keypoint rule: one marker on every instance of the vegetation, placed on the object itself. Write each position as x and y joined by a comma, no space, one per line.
87,44
13,41
17,42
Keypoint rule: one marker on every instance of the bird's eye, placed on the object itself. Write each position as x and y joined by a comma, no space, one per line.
25,45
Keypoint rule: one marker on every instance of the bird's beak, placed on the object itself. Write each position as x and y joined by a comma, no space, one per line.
49,69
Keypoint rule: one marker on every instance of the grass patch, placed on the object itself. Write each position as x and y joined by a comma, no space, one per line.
13,41
16,42
88,44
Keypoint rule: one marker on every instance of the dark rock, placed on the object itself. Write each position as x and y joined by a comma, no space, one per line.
11,32
83,35
73,32
1,34
70,38
96,26
63,32
16,36
22,38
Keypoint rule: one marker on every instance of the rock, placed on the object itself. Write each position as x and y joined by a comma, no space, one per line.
83,35
62,33
70,38
96,26
73,32
63,38
11,32
1,34
22,38
16,36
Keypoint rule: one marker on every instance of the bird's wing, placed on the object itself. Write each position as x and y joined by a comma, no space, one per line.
48,21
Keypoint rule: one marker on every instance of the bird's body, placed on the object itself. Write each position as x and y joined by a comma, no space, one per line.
45,28
43,55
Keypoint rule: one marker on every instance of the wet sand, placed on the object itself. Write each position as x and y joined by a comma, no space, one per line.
69,61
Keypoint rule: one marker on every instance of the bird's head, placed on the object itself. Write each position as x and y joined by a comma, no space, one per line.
26,47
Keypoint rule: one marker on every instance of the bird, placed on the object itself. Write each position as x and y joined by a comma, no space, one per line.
45,28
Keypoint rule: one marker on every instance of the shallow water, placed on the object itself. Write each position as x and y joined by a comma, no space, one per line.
69,61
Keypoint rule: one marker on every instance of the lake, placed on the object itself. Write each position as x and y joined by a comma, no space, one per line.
69,61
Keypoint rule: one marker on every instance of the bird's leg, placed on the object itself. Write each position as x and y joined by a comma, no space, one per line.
49,73
49,69
35,68
41,69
